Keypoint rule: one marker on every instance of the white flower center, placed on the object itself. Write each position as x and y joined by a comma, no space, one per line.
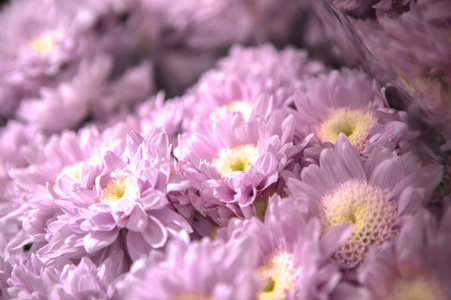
417,288
236,159
355,124
367,208
118,187
240,106
44,44
278,276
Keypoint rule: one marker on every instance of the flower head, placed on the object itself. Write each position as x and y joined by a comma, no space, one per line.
128,194
231,161
60,279
199,270
373,196
364,206
414,267
292,260
347,102
244,77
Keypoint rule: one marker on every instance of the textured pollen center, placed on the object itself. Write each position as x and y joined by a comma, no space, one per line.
367,208
118,186
355,124
278,276
44,44
418,288
240,106
236,159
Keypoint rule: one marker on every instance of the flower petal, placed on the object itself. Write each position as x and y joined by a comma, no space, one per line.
155,234
137,220
97,240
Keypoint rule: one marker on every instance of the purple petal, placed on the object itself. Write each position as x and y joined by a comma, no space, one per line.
155,234
410,199
112,267
97,240
266,164
350,157
317,179
134,140
137,247
112,162
332,165
263,107
386,174
137,220
334,238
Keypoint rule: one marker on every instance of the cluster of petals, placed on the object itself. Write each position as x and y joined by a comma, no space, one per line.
292,254
416,265
129,171
271,150
375,196
54,167
123,200
79,199
202,269
60,67
240,80
61,279
348,101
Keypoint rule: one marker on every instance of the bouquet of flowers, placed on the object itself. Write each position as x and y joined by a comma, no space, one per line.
229,149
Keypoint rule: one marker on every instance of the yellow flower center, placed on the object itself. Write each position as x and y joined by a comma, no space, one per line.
44,44
278,276
417,288
240,106
236,159
367,208
118,187
355,124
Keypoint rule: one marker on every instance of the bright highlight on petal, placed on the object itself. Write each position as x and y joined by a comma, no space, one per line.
417,288
118,187
236,159
240,106
367,208
279,275
355,124
71,170
44,44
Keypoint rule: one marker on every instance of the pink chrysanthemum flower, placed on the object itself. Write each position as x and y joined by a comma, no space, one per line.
90,93
16,139
71,62
60,279
125,203
167,114
292,260
410,47
56,164
347,102
373,196
247,74
231,161
189,36
417,266
199,270
266,61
